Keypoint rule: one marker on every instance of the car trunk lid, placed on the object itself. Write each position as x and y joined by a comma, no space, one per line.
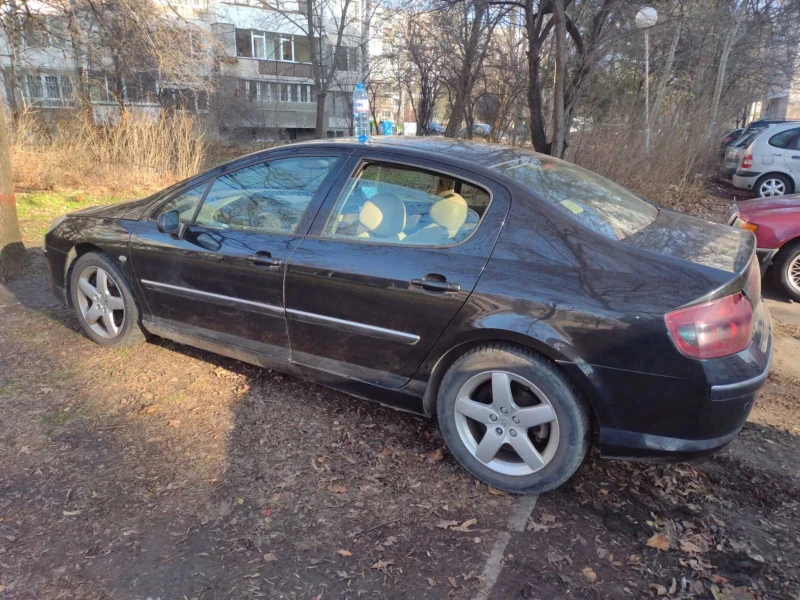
697,240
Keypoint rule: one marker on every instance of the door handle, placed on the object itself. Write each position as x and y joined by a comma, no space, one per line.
439,283
264,258
795,156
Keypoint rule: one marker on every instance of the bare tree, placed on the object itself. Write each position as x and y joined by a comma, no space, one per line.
13,258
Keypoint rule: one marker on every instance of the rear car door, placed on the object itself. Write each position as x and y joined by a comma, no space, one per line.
793,155
390,259
222,278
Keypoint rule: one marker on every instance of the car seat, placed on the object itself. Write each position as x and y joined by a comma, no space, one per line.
448,215
383,217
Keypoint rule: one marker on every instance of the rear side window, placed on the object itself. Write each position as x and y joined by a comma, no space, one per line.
594,200
409,206
784,139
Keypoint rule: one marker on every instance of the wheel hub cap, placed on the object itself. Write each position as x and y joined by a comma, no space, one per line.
100,302
507,423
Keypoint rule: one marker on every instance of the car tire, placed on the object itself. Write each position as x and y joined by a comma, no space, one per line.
107,312
773,184
787,269
534,382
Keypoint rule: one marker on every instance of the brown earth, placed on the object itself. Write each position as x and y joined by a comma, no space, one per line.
162,471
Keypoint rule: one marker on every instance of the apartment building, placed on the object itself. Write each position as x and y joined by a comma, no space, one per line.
252,79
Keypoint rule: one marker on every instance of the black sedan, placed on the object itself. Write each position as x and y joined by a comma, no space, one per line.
522,300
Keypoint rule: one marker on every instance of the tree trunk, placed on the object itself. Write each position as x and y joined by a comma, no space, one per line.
319,126
560,28
533,25
13,258
662,84
723,63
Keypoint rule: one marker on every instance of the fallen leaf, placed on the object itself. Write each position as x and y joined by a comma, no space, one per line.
658,541
590,575
266,512
452,581
382,564
533,526
601,552
174,423
545,518
71,513
446,524
465,526
718,578
436,455
757,557
344,552
389,540
690,547
431,581
269,557
659,589
496,492
337,488
240,501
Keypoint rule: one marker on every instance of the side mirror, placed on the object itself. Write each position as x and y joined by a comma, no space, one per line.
169,222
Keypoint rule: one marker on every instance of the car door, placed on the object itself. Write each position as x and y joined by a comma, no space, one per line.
222,277
793,155
390,259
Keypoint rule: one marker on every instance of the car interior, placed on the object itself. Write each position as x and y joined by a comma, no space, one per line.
428,210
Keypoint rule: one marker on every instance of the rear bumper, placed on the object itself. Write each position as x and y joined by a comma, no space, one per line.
690,427
745,180
727,171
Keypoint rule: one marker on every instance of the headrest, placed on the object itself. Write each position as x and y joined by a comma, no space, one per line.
450,212
383,214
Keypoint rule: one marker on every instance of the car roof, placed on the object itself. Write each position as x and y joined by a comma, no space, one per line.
459,152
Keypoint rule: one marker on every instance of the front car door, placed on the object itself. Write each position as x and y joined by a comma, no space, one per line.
222,278
390,259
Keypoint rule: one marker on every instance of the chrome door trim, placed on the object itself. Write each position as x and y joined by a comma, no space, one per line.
195,292
354,327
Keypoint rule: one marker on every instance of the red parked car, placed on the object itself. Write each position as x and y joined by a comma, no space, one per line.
776,223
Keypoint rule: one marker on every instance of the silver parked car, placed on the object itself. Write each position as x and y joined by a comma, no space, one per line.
770,163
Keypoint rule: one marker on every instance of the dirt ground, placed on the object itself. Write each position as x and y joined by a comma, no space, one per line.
166,472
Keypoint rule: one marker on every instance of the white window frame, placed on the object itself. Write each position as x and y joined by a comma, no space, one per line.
263,37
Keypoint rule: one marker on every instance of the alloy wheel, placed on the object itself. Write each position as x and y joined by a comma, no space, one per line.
100,302
793,273
507,423
772,187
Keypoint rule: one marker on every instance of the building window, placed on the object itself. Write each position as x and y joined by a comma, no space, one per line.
259,45
284,49
244,44
33,87
347,59
305,93
53,88
284,92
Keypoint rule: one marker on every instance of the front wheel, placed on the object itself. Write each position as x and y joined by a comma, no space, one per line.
103,302
787,264
513,420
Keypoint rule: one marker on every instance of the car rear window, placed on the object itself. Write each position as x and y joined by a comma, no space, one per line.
594,200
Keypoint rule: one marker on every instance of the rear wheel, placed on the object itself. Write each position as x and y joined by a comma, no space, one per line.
512,419
787,265
773,184
103,301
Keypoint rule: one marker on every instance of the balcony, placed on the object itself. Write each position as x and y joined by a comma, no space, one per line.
285,69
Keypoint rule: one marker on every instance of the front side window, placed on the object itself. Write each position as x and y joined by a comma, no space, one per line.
405,205
186,203
594,200
268,197
244,44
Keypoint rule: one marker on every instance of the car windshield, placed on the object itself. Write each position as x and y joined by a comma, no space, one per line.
594,200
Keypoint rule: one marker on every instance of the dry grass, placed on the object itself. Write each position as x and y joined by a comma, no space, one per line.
680,158
137,152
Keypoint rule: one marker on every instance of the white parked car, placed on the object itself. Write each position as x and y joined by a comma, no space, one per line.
770,164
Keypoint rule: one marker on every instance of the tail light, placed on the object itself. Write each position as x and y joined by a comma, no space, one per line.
713,329
747,161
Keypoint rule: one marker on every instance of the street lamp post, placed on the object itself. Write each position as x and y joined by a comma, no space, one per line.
645,19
